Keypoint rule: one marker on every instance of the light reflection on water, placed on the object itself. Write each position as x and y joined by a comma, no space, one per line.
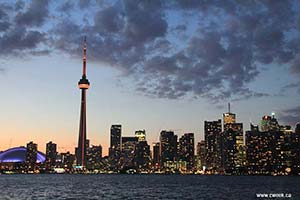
66,186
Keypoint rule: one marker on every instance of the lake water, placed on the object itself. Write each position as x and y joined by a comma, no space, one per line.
64,186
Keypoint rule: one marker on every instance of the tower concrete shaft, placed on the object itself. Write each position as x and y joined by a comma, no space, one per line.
83,84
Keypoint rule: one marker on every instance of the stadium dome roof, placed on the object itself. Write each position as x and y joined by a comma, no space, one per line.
18,154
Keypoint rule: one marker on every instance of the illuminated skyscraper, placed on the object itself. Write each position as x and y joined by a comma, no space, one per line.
142,155
115,144
201,152
273,150
83,85
156,155
233,154
51,154
187,150
232,147
128,151
213,142
94,156
66,161
31,156
168,147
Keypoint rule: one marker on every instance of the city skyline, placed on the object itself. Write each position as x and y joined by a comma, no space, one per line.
267,149
134,86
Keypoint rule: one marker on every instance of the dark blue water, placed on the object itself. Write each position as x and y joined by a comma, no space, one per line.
145,187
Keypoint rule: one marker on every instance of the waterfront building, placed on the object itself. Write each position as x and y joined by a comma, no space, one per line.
94,156
142,158
273,150
31,156
66,160
201,154
187,150
213,145
168,147
156,155
51,154
128,152
233,148
115,144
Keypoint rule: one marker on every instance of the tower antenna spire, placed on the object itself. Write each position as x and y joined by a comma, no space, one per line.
84,57
228,107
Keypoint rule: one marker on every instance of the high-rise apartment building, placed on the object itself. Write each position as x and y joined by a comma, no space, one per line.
51,153
115,144
213,145
168,147
187,150
31,156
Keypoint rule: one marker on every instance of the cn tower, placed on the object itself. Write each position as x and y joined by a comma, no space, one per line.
83,85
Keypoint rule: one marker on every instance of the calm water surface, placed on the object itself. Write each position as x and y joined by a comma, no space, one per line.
52,186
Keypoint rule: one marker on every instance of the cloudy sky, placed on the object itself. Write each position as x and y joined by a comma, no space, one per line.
152,65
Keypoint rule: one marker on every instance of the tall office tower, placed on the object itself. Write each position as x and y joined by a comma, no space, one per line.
142,159
128,152
156,155
141,135
233,156
213,145
83,85
259,158
187,150
115,144
31,156
201,152
168,147
51,153
94,156
272,151
233,151
228,117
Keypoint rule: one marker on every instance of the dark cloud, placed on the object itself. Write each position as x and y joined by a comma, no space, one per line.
83,4
224,47
35,15
4,26
66,7
290,116
19,5
19,39
3,14
109,20
144,20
